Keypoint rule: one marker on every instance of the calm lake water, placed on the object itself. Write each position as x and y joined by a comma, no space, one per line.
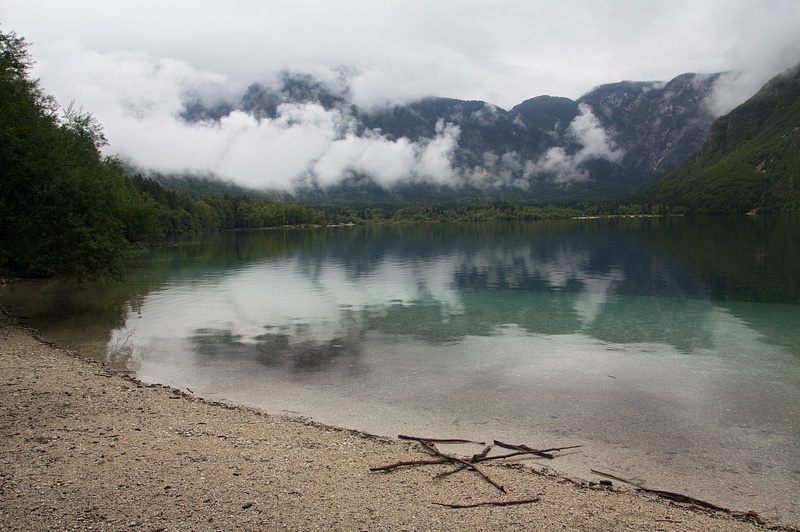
668,348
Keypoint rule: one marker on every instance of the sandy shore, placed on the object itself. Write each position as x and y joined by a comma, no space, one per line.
83,448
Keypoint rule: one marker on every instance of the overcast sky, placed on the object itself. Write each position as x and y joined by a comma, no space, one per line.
129,62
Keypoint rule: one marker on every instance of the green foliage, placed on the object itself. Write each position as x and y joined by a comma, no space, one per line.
180,212
486,210
749,162
64,209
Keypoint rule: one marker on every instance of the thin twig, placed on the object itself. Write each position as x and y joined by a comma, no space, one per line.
483,454
409,463
522,453
671,495
524,449
439,440
609,475
459,467
488,503
475,458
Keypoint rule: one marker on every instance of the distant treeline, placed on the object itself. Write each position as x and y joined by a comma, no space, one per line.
183,212
180,212
484,210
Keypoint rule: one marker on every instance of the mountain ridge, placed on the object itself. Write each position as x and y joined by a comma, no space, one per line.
604,144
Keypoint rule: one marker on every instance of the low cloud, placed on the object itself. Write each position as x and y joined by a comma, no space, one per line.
566,165
487,115
499,171
303,143
767,43
389,161
140,100
735,87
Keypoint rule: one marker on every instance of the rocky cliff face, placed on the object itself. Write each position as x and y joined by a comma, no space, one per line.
656,124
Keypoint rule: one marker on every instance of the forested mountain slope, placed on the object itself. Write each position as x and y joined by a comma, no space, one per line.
750,161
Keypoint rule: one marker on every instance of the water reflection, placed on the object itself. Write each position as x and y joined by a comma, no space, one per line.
440,289
624,281
277,351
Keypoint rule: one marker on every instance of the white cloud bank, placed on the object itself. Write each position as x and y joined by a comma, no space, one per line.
139,99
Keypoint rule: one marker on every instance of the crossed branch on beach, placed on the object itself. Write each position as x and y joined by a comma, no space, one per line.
461,464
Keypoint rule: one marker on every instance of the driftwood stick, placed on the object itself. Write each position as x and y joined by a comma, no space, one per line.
524,449
432,448
482,457
556,449
680,497
409,463
476,458
500,456
488,503
609,475
439,440
537,452
428,444
671,495
459,467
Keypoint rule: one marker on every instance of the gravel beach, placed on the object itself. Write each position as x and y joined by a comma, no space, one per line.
84,448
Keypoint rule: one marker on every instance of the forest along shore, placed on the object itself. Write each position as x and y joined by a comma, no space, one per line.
86,448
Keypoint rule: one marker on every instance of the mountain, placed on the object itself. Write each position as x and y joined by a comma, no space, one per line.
750,161
656,124
605,144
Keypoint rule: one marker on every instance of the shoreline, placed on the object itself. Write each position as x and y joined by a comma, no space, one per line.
84,446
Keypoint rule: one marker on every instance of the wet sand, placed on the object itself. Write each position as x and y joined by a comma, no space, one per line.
83,447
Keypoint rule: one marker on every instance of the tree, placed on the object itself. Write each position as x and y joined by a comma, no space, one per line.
64,209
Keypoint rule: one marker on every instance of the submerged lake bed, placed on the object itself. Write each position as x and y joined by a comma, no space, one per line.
668,348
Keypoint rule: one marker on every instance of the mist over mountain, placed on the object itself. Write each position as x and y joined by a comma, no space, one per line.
303,136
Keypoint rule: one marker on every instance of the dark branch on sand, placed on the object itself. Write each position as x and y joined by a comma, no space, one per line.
677,497
467,463
488,503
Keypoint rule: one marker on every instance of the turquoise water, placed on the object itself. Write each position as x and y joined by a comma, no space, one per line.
668,348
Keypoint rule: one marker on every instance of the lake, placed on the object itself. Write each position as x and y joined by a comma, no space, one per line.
668,348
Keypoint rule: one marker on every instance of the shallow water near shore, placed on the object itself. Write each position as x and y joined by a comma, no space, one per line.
668,348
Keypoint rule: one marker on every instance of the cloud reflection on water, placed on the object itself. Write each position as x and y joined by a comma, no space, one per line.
296,306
